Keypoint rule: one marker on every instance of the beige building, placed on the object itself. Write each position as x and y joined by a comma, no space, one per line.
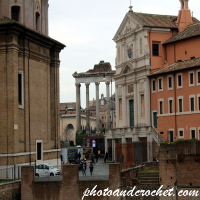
68,126
29,82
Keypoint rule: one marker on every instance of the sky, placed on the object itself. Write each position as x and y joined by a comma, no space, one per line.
87,28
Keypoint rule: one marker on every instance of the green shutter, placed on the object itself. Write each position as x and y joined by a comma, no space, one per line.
155,119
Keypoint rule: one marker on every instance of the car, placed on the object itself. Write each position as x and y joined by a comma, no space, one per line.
46,170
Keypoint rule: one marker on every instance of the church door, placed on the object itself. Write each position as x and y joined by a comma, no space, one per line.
131,106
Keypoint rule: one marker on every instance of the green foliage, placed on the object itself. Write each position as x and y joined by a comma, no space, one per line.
156,170
79,137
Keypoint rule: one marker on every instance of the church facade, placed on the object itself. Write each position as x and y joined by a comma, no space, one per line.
29,82
139,53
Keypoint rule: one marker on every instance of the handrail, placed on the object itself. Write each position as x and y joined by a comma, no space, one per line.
157,135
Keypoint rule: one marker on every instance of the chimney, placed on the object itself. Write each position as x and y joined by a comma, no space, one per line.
184,16
166,65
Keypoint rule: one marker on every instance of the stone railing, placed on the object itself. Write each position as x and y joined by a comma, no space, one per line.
156,135
137,129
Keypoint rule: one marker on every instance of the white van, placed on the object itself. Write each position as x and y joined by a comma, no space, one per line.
46,170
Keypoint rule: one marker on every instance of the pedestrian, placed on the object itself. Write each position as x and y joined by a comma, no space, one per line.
84,167
79,155
96,156
106,157
91,168
99,153
92,158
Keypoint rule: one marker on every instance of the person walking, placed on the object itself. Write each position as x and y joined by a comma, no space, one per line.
79,155
91,168
97,156
84,167
92,158
106,157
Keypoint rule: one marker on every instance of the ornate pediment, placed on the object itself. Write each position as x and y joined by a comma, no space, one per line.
127,25
128,67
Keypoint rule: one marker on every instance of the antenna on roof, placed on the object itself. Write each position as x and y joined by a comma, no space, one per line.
130,6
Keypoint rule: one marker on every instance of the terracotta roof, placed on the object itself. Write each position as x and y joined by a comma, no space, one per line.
191,31
179,66
154,20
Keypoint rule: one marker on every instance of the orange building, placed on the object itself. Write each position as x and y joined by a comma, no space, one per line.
175,78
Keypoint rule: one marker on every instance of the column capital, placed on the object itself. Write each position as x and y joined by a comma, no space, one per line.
87,84
107,83
77,84
97,83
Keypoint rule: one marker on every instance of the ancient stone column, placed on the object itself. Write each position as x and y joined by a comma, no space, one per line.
78,105
87,108
97,107
108,104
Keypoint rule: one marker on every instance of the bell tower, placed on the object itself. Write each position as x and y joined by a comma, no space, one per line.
31,13
184,16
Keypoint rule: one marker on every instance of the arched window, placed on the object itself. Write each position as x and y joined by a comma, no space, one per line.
37,21
15,10
70,126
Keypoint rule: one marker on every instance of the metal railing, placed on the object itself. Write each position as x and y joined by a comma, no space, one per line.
9,173
156,135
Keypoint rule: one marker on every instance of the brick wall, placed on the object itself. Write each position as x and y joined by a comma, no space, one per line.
179,163
10,191
70,187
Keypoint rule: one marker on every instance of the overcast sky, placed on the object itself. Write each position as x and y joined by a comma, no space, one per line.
87,28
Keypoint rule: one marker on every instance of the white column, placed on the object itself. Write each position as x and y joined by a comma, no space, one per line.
78,104
116,106
108,104
147,102
87,108
97,107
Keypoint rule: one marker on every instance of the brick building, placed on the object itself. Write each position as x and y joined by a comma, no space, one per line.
29,82
175,83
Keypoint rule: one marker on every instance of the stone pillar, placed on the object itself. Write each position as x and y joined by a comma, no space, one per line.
106,144
150,147
70,181
87,108
27,176
108,104
78,105
113,149
114,179
97,107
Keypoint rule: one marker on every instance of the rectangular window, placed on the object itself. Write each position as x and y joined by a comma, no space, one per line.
192,104
199,103
181,133
179,81
170,82
180,101
155,48
160,84
161,107
120,109
15,13
171,135
142,106
102,125
154,85
198,77
193,134
191,79
20,90
170,106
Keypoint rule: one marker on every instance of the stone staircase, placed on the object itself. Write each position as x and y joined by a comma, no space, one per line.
147,178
